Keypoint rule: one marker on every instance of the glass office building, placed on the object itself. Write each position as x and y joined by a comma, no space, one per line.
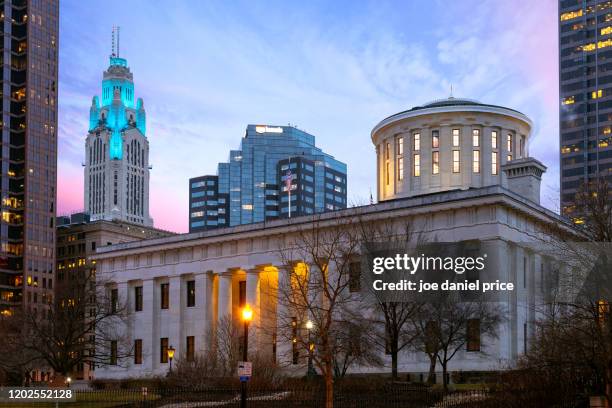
277,172
29,153
585,90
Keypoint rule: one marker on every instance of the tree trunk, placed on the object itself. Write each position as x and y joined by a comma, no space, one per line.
444,377
394,361
329,389
431,377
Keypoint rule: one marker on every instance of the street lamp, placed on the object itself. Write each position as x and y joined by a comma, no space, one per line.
68,381
247,316
311,372
171,351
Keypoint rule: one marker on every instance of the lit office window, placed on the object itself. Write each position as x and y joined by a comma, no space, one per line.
509,142
417,165
476,161
476,137
494,139
435,139
163,350
455,137
456,161
416,139
494,163
435,162
400,168
509,157
400,146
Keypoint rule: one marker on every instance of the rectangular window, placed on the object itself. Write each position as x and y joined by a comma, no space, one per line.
455,137
354,277
417,165
242,293
163,350
509,142
191,293
435,162
476,161
522,146
475,137
190,348
400,168
456,162
473,335
416,142
400,146
114,300
113,352
435,139
494,163
494,139
387,151
387,172
138,351
165,295
524,337
138,299
509,157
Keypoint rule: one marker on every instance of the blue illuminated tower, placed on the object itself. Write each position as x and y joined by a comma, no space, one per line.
117,150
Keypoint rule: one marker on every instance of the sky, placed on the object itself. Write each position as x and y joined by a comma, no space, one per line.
334,69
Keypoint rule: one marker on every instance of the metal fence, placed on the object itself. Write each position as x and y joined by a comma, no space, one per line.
307,397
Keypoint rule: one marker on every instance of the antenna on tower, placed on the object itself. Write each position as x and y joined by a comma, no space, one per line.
115,41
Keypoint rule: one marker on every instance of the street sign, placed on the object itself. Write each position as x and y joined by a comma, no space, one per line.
245,370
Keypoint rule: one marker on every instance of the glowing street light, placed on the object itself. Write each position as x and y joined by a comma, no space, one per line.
170,352
247,316
311,371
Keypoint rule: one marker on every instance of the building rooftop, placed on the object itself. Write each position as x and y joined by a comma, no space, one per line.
452,104
422,202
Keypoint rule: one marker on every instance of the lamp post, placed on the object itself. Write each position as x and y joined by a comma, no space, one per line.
171,356
311,372
247,316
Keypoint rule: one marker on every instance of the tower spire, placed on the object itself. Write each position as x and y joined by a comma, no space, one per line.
115,41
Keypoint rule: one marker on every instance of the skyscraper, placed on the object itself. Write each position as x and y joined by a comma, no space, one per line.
117,151
29,152
275,166
585,90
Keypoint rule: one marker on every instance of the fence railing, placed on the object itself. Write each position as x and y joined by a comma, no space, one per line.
388,396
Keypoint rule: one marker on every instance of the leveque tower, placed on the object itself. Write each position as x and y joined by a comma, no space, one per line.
117,150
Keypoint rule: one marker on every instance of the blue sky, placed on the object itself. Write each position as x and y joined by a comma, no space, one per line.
207,69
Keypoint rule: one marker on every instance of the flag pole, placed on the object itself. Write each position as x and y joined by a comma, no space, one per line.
290,177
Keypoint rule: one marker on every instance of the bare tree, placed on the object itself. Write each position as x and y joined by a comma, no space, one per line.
447,324
392,317
80,326
316,288
593,209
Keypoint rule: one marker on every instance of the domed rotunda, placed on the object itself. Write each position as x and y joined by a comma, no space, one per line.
455,144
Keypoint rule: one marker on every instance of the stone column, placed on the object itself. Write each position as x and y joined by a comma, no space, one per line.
177,303
225,295
253,299
150,334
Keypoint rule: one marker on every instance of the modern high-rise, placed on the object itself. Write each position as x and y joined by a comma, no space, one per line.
585,90
117,150
29,152
275,166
